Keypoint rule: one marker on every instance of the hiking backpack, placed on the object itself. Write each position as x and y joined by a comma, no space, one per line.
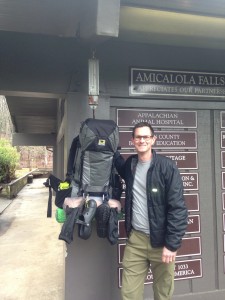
90,167
90,163
90,172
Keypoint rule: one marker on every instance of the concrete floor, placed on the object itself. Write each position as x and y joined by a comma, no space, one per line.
31,256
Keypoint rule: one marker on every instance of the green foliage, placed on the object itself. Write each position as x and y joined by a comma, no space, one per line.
9,159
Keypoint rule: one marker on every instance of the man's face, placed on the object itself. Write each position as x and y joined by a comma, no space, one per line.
143,139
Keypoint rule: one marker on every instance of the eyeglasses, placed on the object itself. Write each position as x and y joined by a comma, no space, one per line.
146,138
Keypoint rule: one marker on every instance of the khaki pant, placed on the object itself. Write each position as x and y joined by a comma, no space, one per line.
138,255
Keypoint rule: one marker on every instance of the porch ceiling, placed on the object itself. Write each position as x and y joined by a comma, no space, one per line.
187,23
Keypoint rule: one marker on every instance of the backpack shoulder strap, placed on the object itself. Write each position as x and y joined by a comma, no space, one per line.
49,208
51,182
72,157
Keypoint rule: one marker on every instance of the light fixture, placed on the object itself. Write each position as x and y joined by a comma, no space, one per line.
93,73
93,82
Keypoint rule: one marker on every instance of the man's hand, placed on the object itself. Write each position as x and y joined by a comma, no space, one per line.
168,256
115,204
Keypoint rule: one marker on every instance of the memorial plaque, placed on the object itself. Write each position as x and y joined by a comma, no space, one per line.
190,181
224,243
176,140
223,159
222,119
186,269
223,222
190,246
223,199
183,160
157,118
121,229
125,140
222,139
122,202
120,251
224,264
165,140
192,201
223,180
193,224
149,277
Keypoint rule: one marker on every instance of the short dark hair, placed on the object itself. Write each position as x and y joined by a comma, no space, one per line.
143,124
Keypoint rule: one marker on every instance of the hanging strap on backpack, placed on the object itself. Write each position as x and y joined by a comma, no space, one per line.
49,206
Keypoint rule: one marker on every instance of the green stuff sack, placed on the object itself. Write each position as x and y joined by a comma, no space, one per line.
60,215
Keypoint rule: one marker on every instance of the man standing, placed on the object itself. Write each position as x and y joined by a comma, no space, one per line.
155,217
